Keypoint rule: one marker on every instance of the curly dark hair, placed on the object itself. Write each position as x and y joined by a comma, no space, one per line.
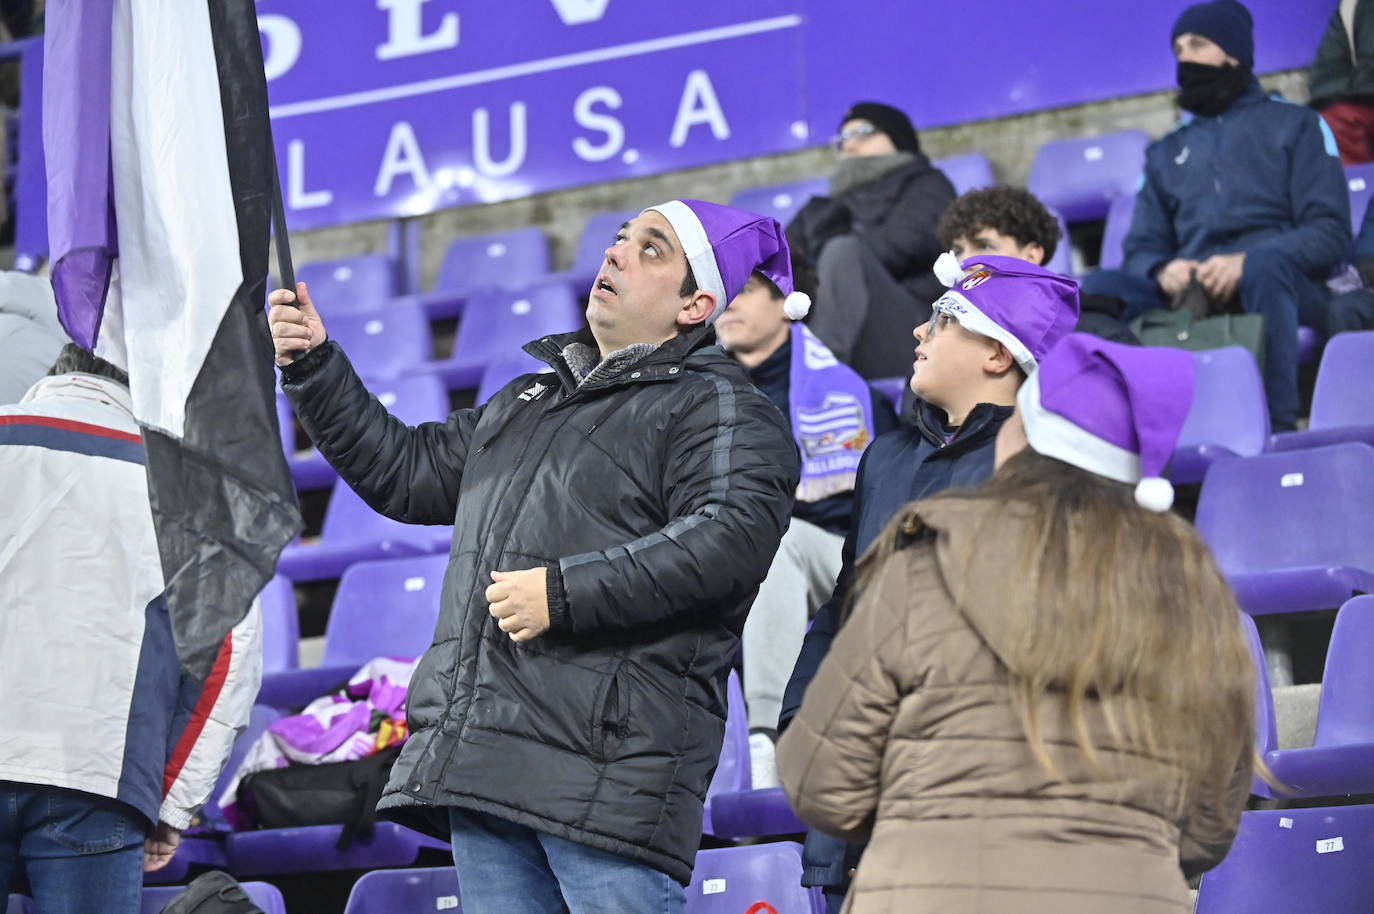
1010,211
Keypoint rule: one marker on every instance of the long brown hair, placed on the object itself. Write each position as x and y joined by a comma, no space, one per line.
1125,615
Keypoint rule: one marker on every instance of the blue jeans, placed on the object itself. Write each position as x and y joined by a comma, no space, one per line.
1271,285
82,853
504,868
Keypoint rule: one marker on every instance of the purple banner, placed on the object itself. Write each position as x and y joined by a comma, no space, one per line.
386,108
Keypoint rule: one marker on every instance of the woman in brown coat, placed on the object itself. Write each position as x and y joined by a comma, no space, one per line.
1043,701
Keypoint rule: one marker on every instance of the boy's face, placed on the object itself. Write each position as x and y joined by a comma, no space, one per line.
949,360
754,320
990,241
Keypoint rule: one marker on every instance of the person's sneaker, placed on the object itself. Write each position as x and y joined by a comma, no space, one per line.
763,766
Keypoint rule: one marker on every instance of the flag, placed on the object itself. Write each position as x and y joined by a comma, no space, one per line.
159,205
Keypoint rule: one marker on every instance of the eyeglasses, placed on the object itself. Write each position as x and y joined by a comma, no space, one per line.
858,131
940,320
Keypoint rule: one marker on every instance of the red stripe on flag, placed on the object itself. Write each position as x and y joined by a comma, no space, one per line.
204,705
84,428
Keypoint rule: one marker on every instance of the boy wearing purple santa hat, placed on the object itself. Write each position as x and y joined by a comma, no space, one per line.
613,518
988,332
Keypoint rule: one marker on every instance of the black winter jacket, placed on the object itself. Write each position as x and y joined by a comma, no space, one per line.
656,499
1336,75
895,215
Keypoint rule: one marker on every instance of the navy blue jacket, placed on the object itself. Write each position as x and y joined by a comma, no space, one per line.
773,376
905,465
1262,175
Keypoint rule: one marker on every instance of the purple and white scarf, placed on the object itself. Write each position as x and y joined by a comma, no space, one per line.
832,417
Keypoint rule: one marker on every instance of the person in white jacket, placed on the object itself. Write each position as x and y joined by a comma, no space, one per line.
107,749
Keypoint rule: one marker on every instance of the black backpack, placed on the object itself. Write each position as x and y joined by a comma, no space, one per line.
340,793
212,893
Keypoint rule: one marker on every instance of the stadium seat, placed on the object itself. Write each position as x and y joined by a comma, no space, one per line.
892,388
351,285
1062,261
353,532
1343,402
1079,177
1340,761
503,260
1119,215
759,813
500,323
386,344
967,172
1229,416
503,369
381,609
781,201
264,895
732,771
392,891
20,904
1295,861
311,849
1282,528
1309,345
281,631
762,879
1266,726
597,235
1360,180
202,847
412,399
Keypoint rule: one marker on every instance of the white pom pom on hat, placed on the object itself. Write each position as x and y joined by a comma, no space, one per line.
1154,493
796,305
948,269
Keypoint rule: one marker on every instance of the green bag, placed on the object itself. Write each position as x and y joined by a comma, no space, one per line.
1179,330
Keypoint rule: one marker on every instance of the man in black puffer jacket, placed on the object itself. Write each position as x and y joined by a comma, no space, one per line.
612,522
868,248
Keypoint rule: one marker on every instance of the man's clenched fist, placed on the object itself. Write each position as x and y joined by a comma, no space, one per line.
295,328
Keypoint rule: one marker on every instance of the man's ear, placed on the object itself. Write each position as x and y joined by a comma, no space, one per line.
1000,360
1034,252
697,309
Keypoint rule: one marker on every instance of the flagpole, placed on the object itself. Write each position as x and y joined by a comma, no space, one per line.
286,272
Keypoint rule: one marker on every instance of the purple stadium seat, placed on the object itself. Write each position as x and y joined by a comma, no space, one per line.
1340,761
20,904
500,323
501,370
351,285
1283,530
412,399
1079,177
1360,181
264,895
754,814
967,172
353,532
1229,416
384,344
892,388
1343,402
1062,261
392,891
762,879
598,235
312,849
281,631
1309,345
381,609
503,260
781,201
732,771
1266,728
1119,215
1295,861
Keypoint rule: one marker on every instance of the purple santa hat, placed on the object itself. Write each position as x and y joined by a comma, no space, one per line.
1112,410
1025,307
725,245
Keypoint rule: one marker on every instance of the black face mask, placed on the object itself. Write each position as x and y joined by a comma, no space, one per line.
1207,91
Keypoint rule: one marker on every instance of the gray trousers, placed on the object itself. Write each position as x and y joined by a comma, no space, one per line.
801,578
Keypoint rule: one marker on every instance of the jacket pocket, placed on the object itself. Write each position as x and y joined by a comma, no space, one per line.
612,721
